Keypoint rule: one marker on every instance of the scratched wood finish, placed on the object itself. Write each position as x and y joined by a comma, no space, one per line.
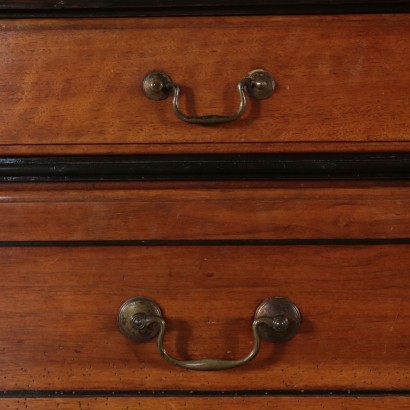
341,79
172,211
59,305
211,403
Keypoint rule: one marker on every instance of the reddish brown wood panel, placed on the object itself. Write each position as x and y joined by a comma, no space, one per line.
340,79
212,403
169,211
59,306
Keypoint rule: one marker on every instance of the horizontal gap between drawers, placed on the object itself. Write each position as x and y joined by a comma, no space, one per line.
205,242
15,10
198,393
207,167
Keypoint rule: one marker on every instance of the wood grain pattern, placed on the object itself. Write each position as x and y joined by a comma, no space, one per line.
172,211
58,325
280,403
340,79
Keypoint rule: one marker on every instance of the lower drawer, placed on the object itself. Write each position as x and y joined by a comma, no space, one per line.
59,305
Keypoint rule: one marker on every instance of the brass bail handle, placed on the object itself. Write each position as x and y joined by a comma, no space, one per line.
276,320
259,84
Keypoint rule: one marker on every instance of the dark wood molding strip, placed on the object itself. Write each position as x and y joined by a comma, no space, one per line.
210,242
107,4
207,167
112,8
199,393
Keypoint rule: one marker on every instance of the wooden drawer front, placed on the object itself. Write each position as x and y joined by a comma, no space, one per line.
59,305
341,79
206,212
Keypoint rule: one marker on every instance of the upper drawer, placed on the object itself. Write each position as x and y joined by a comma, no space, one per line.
342,83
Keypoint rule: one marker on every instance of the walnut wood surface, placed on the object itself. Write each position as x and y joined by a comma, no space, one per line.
172,211
341,79
58,324
212,403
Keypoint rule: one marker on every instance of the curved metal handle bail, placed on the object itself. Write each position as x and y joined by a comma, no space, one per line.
259,84
276,320
210,119
209,364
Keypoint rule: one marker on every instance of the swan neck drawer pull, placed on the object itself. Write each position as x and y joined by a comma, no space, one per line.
276,320
259,84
